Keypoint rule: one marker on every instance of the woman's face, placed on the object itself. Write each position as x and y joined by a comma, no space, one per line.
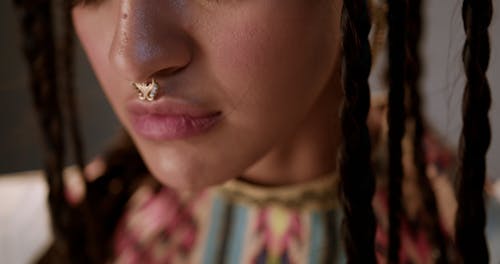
236,77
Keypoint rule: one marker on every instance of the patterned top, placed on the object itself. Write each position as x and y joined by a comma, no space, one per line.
235,223
244,223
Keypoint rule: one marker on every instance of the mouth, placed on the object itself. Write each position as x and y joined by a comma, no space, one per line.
168,119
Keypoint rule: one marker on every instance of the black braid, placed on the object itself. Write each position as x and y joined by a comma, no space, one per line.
396,20
82,233
476,133
357,183
39,51
413,72
39,48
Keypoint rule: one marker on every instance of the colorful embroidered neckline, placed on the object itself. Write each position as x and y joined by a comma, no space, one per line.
319,194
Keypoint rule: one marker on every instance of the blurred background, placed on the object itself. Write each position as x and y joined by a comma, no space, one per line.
443,82
20,138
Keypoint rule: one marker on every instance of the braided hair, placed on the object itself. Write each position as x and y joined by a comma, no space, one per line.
39,48
476,133
82,232
404,74
396,118
357,183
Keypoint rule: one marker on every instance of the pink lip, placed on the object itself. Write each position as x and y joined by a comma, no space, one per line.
167,119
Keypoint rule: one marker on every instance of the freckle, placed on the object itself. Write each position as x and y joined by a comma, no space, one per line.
125,16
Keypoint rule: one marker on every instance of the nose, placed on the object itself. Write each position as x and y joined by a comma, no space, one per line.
148,40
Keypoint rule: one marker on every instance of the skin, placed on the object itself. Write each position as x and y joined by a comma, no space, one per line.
270,66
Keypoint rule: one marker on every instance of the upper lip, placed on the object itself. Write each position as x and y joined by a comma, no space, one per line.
168,107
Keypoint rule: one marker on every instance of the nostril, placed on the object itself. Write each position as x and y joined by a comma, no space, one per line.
170,71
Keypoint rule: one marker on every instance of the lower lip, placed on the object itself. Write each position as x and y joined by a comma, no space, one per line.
171,127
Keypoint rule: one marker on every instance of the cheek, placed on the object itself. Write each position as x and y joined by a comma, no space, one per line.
273,68
95,33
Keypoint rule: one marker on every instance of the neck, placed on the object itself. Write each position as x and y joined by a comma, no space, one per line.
310,152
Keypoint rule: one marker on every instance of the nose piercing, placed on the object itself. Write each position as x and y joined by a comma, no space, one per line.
147,90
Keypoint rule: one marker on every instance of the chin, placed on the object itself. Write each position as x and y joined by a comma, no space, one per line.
184,176
185,166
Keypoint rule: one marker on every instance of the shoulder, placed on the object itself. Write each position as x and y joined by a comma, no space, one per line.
25,226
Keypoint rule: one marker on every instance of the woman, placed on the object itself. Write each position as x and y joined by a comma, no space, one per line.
254,98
